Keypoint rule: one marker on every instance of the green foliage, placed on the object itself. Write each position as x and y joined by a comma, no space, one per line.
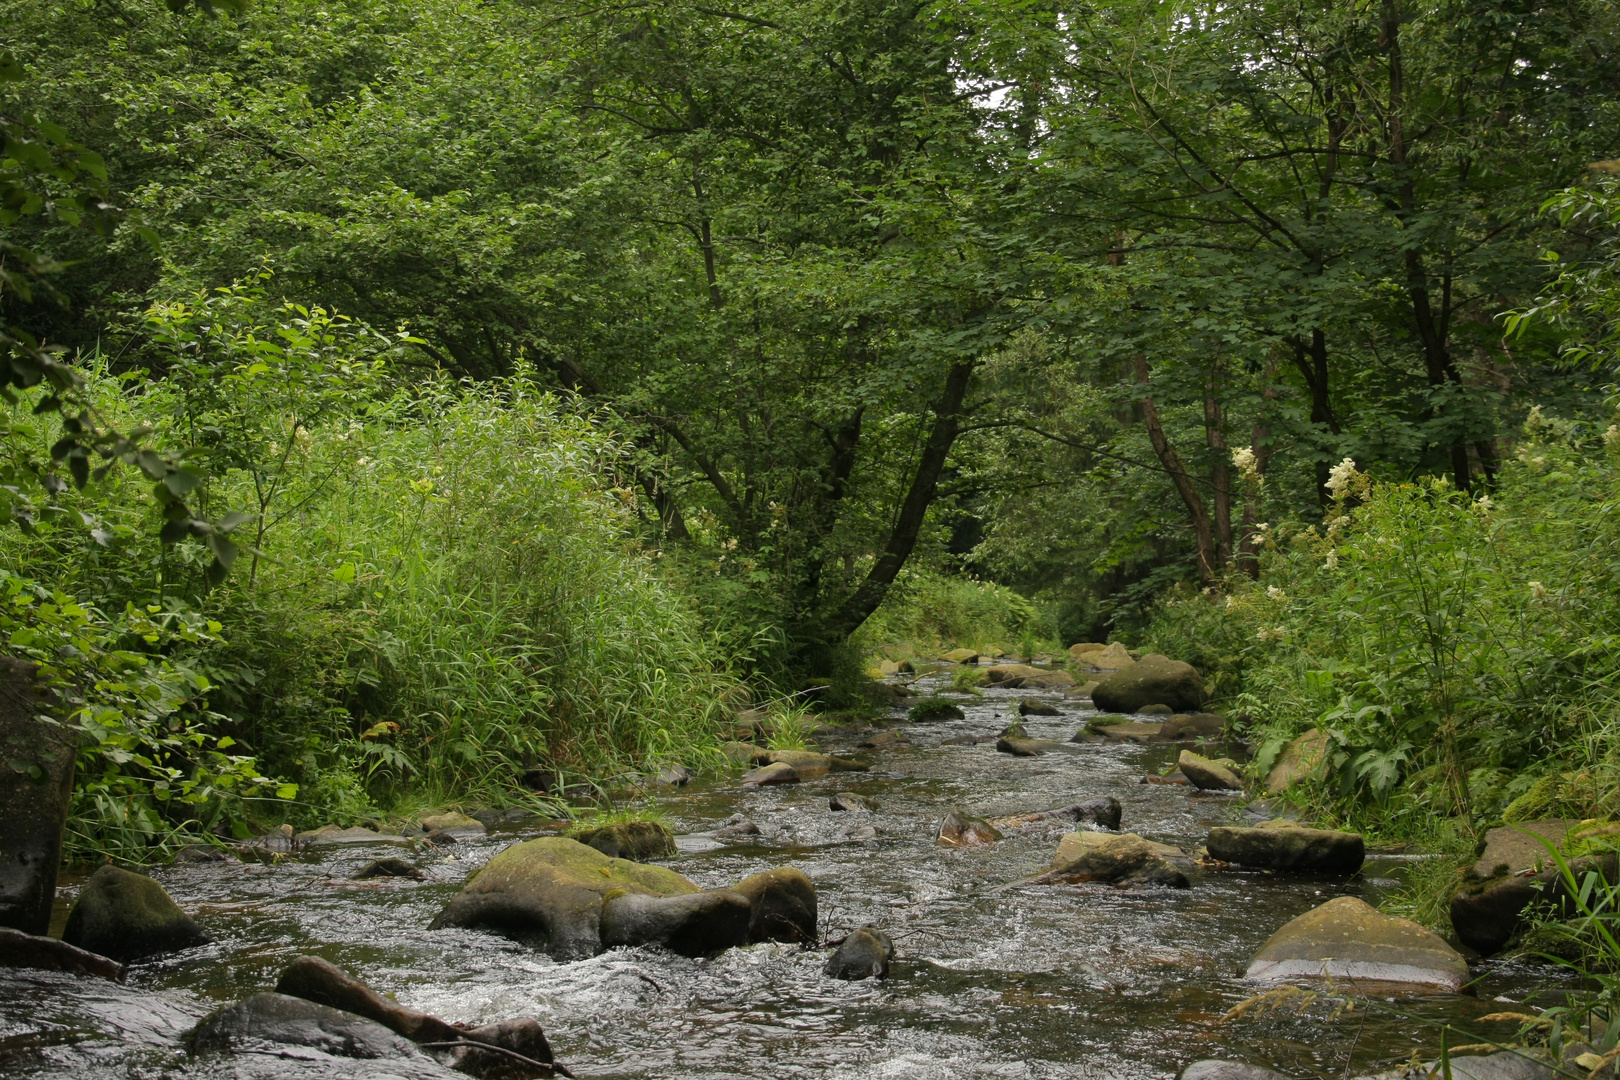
935,708
1453,647
937,611
153,766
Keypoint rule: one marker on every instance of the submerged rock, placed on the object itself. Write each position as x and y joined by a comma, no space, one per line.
1506,1065
1301,758
20,950
388,868
673,776
848,800
1281,844
1106,857
864,954
769,775
1208,775
1154,679
884,740
633,840
965,830
324,983
1346,938
736,827
1228,1070
127,916
782,905
284,1020
1128,731
38,759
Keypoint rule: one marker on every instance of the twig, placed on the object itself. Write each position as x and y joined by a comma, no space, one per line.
549,1068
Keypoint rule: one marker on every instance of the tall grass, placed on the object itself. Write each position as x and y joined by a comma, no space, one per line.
933,610
443,588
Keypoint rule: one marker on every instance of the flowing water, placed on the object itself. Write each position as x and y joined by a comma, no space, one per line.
1031,981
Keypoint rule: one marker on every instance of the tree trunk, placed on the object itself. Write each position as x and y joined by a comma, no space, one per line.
908,525
1208,566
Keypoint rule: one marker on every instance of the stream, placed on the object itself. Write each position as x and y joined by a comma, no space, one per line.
1077,981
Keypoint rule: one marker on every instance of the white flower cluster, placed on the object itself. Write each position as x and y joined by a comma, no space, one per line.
1271,633
1275,593
1538,591
1244,460
1339,478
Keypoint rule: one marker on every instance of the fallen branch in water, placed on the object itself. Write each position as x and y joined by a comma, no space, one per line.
549,1068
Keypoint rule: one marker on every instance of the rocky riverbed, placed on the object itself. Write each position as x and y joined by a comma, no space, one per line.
991,978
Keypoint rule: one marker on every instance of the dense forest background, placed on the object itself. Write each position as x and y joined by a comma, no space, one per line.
408,396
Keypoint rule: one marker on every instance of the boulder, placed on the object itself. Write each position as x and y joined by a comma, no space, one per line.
332,834
848,800
1207,775
126,916
1081,648
965,830
278,841
807,763
1034,707
1514,848
1156,709
1183,726
858,830
1228,1070
1281,844
1488,913
865,954
961,656
766,775
454,823
267,1021
558,890
1154,679
1301,758
1346,938
1129,731
1081,690
634,840
388,868
782,905
737,827
673,776
1113,657
20,950
38,760
1106,857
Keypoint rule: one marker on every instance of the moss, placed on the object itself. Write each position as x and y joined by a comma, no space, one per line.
935,708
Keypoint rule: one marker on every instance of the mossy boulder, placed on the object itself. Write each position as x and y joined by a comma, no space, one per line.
961,656
1287,845
1154,679
935,708
1489,912
1207,774
633,840
1188,726
1107,857
1301,758
127,916
1036,707
1346,938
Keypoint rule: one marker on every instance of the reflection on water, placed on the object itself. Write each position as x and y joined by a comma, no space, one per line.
1069,981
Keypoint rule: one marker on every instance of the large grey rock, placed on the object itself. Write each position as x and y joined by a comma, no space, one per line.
1489,913
1206,774
1346,939
1519,846
1281,844
37,758
20,950
126,916
865,954
1107,857
1228,1070
1300,759
1152,680
281,1020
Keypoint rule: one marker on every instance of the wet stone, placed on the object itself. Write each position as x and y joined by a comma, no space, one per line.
767,775
849,801
127,916
388,868
965,830
865,954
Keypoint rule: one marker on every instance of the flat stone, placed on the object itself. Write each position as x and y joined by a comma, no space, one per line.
1128,732
1208,775
453,822
961,656
1109,857
1019,746
331,834
1281,844
1346,938
885,740
1300,759
1509,846
20,950
777,773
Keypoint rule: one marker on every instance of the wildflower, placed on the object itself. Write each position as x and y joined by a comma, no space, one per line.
1538,591
1276,593
1534,420
1339,478
1332,562
1484,502
1231,603
1263,634
1244,460
1611,437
